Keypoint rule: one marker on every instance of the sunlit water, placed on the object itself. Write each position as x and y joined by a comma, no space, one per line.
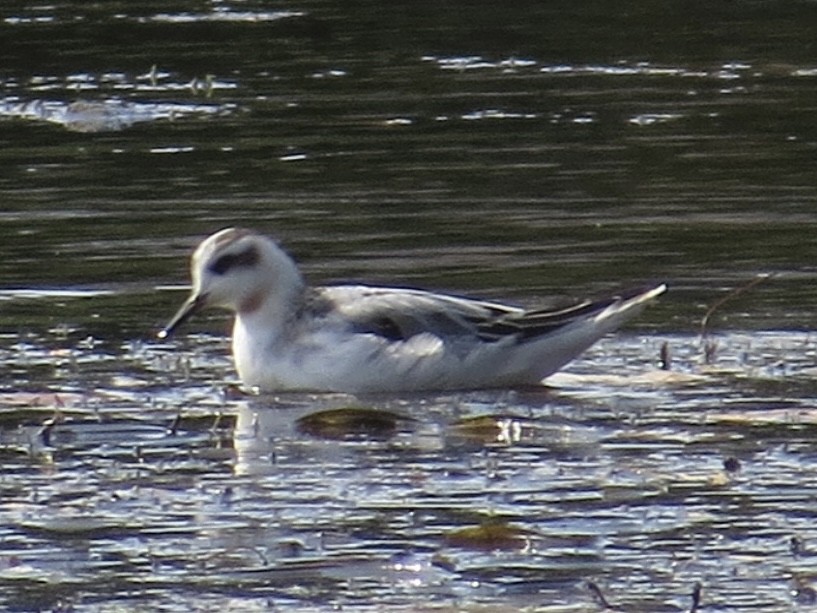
535,155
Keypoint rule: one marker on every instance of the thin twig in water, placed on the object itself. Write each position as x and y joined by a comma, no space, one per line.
173,430
599,596
696,598
665,358
710,349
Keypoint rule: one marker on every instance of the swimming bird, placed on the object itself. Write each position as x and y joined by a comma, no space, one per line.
289,336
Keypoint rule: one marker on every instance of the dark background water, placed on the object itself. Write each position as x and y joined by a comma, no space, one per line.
529,151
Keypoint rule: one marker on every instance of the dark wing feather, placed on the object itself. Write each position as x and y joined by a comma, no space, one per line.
533,324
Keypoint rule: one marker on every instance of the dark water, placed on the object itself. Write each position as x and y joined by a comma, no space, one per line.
532,152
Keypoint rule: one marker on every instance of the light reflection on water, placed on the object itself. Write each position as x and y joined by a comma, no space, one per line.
616,473
431,150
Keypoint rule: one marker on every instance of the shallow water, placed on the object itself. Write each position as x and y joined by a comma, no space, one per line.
535,154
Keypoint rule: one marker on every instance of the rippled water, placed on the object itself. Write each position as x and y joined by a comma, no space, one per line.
533,153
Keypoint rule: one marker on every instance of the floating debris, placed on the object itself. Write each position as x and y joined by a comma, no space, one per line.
488,429
349,422
494,534
731,464
79,526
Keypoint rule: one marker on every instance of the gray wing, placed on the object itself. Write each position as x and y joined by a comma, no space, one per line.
399,314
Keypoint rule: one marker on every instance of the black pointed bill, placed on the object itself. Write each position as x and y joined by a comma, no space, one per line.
192,306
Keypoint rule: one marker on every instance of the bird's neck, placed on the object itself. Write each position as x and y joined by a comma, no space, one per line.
267,312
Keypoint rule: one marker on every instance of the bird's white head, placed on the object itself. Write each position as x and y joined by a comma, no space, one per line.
239,270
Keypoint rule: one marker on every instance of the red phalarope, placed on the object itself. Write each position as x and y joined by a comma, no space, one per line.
357,338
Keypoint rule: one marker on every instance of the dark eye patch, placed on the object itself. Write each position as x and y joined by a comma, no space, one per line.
249,257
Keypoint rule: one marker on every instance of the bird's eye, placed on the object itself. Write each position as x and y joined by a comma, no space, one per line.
249,257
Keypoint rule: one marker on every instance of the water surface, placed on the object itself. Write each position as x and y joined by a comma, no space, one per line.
538,153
